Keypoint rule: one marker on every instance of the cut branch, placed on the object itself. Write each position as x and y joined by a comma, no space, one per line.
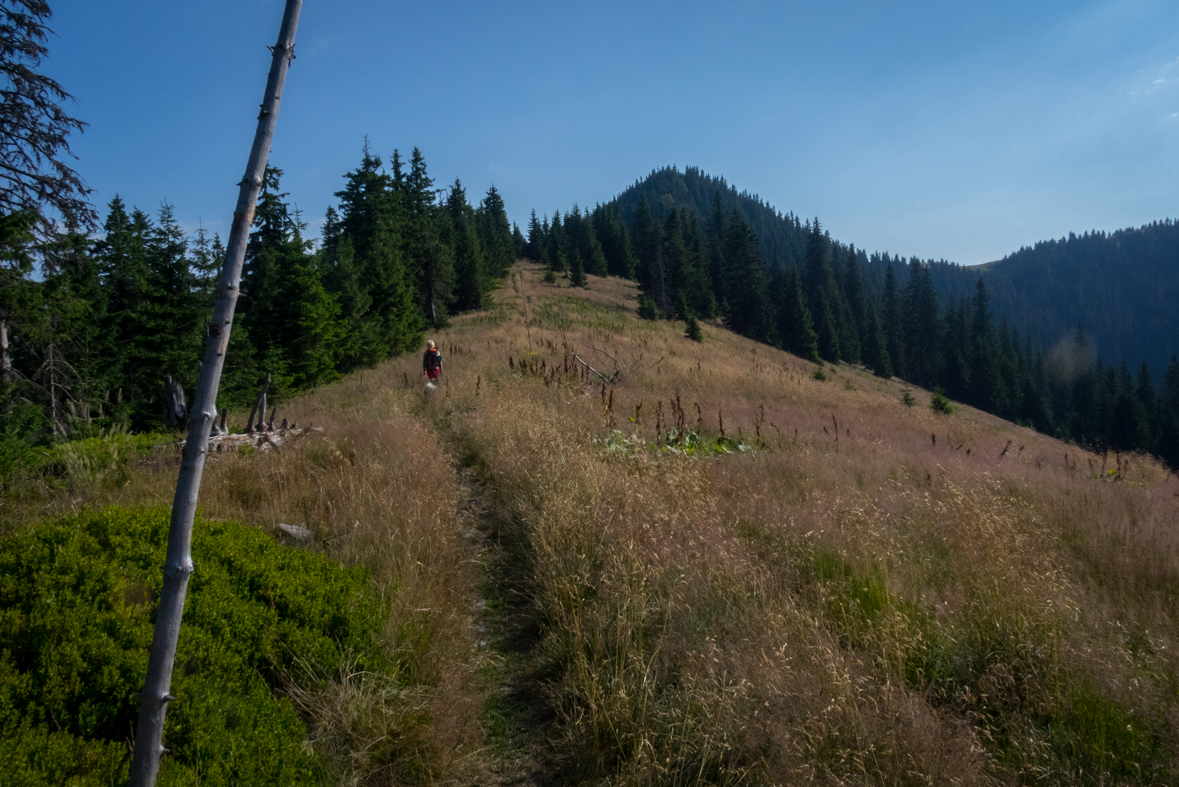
592,369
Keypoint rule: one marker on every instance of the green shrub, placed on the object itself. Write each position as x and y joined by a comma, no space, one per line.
907,398
647,308
819,375
77,597
939,403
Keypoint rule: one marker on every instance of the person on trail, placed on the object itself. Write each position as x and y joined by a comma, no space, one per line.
432,362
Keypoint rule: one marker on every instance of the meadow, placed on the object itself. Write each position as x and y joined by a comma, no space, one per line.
611,555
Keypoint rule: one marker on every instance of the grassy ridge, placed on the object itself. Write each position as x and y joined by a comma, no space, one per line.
835,587
874,592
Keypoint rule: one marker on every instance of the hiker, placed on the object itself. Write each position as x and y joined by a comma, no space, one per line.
432,362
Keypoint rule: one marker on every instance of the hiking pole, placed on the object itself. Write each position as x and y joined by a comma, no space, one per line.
153,703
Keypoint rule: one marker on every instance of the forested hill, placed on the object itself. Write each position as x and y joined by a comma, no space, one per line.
781,236
1120,288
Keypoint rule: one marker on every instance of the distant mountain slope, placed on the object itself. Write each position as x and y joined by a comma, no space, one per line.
1121,288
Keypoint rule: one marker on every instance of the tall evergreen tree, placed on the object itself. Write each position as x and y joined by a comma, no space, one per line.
855,296
820,290
875,349
615,240
471,281
893,322
986,384
652,276
697,282
121,257
1168,439
750,312
428,260
359,345
555,251
796,332
495,235
533,248
922,327
174,307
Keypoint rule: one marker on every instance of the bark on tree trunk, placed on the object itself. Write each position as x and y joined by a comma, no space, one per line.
145,761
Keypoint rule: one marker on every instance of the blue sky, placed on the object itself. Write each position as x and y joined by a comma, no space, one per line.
944,130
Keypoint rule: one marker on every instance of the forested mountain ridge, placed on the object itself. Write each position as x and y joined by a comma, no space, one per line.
1119,287
700,249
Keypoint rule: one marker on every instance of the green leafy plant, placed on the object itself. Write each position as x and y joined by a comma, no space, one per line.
819,375
907,398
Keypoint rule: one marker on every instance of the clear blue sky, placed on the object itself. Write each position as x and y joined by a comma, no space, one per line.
943,130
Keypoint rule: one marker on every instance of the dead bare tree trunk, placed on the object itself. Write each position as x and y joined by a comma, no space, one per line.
145,761
5,362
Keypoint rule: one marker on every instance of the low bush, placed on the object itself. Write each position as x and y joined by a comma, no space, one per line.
939,403
77,597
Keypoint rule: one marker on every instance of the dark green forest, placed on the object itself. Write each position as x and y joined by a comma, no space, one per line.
699,249
96,321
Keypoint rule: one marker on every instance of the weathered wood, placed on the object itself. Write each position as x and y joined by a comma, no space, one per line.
175,410
592,369
5,361
261,400
153,705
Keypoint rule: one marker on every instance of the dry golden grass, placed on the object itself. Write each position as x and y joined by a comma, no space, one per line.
873,594
879,594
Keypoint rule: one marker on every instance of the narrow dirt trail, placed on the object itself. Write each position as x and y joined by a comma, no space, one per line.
506,632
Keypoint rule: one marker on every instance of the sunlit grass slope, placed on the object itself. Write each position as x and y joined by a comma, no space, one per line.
871,593
739,572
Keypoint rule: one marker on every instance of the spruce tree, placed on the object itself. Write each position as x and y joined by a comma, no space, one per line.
471,280
674,256
893,323
121,257
357,328
615,240
535,243
495,234
714,247
796,332
558,260
576,269
922,327
428,261
691,324
647,244
875,349
174,306
819,288
519,244
1168,439
591,248
750,312
986,386
855,334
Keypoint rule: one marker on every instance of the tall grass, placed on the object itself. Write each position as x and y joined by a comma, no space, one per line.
874,594
880,594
